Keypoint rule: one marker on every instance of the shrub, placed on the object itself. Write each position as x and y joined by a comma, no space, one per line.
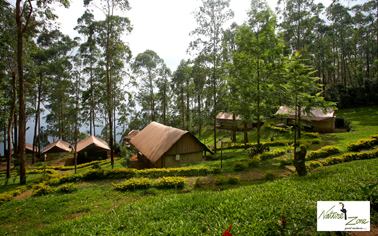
65,179
233,180
311,135
361,144
344,158
145,183
66,188
134,184
240,166
169,182
322,152
217,171
272,154
183,171
257,149
5,197
254,163
42,189
201,182
220,180
269,176
313,164
120,173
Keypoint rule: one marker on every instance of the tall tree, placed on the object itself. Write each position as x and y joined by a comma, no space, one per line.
258,51
211,17
149,68
115,51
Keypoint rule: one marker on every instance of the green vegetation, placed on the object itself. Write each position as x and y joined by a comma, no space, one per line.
361,144
145,183
97,209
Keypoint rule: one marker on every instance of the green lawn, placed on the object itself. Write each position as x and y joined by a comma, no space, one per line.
364,123
253,210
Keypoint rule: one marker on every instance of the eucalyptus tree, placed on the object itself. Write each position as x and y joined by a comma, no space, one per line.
199,75
211,18
7,77
90,53
151,72
181,81
25,13
163,94
114,52
297,22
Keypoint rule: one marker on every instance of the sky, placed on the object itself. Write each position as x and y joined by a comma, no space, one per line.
160,25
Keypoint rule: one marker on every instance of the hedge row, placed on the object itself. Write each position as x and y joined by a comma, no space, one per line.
43,171
92,163
361,144
343,158
127,173
251,145
145,183
7,196
44,189
323,152
272,154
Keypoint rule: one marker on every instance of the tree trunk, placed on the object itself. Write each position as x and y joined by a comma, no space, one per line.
21,96
109,83
199,114
10,121
187,105
233,138
245,134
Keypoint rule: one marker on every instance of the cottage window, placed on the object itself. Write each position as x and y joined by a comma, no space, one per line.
177,157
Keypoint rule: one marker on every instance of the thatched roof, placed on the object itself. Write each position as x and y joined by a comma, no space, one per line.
92,140
156,139
60,145
29,147
227,116
315,114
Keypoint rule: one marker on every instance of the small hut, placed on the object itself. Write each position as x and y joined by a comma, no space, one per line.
231,121
59,146
29,149
160,146
132,133
317,119
91,149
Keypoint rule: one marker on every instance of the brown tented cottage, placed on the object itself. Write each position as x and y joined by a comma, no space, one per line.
160,146
57,147
92,148
317,119
230,121
29,149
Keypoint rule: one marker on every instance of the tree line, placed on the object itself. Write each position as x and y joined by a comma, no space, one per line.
302,54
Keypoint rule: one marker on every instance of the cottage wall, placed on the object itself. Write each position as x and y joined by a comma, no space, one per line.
324,126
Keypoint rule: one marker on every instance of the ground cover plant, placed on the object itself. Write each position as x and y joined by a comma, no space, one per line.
97,209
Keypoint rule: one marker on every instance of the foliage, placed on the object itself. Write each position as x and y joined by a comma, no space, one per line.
145,183
323,152
66,188
240,166
271,154
346,157
361,144
42,189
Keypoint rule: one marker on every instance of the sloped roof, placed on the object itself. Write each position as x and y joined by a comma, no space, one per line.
64,146
226,116
156,139
92,140
29,147
315,114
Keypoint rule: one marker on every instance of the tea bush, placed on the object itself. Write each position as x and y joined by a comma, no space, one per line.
272,154
240,166
361,144
145,183
323,152
169,182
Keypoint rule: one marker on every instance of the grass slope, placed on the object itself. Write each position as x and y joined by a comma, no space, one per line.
253,210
